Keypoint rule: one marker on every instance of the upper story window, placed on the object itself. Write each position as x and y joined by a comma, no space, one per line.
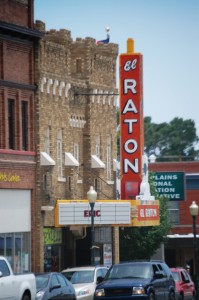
47,141
11,124
76,151
98,146
78,65
59,154
24,124
17,122
108,157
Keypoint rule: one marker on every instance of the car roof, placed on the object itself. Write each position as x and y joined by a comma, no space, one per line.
83,268
177,269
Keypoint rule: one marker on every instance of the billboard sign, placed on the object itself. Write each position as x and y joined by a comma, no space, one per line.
170,184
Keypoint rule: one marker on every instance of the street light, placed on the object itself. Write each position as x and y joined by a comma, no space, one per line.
194,212
92,196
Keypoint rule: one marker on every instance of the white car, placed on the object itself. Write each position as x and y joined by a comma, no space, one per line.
85,279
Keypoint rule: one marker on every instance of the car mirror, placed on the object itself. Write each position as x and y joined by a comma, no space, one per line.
100,279
56,286
1,274
158,275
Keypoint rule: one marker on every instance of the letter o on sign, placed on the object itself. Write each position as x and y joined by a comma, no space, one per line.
132,149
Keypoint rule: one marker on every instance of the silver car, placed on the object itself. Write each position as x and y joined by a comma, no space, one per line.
85,279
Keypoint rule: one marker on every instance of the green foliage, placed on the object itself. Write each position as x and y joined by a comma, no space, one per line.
171,141
142,242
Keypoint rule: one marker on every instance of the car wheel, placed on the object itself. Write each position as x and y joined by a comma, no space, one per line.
172,296
151,296
25,297
181,297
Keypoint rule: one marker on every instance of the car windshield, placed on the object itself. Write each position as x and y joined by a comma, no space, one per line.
129,271
42,281
84,276
176,276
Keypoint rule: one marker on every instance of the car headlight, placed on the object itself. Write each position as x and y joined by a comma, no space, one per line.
138,290
83,292
39,295
99,293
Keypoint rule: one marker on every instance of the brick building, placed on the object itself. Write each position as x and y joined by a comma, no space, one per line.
58,137
178,250
75,138
18,40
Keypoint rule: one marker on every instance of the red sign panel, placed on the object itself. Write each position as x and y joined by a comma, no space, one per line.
148,212
131,124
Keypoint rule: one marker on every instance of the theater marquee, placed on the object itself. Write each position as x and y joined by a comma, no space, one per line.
107,212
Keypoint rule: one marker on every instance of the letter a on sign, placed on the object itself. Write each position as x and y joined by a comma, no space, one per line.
132,122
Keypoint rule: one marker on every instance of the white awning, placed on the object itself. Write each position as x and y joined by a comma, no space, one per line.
96,162
46,160
181,236
70,160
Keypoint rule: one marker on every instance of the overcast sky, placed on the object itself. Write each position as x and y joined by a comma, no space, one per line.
166,32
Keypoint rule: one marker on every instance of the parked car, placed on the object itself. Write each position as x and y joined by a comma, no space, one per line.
85,279
133,280
19,287
54,285
184,284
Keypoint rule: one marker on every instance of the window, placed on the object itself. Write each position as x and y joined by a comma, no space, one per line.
108,158
95,184
24,124
79,65
11,124
174,212
59,154
47,141
98,146
76,151
69,183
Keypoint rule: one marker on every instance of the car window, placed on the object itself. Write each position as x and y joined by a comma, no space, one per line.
68,274
176,276
104,271
155,269
184,276
162,270
4,268
54,281
130,270
84,276
62,280
99,273
42,281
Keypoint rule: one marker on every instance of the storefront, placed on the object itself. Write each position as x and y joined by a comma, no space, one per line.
52,249
15,228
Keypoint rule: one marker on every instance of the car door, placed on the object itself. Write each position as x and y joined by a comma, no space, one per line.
55,288
6,282
186,284
158,282
66,288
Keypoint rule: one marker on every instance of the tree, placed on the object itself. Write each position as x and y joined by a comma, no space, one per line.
142,242
171,141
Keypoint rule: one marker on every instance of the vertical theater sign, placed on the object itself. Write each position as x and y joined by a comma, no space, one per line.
133,162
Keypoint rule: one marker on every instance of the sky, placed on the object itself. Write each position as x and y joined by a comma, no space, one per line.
166,32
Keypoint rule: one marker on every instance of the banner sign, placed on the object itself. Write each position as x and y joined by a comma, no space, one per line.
170,185
131,124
